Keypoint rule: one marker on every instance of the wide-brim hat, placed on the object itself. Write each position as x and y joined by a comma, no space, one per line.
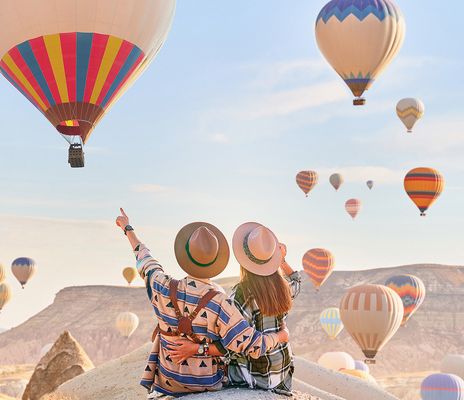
201,250
257,249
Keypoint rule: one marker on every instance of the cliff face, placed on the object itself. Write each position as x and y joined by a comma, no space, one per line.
89,313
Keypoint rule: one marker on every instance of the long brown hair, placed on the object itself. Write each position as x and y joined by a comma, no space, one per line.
271,293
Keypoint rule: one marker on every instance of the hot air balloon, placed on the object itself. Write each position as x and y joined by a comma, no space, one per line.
361,366
336,360
442,387
127,323
359,38
318,264
331,322
5,294
370,184
453,364
352,207
129,273
23,269
371,314
424,186
2,273
336,180
411,290
73,59
365,376
409,112
306,180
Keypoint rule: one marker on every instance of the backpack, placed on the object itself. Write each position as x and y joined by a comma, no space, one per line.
184,323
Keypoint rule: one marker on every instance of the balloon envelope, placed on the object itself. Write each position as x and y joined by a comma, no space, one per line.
5,294
411,290
72,59
370,184
371,314
361,366
442,387
127,323
336,180
352,207
336,360
423,186
2,273
306,180
409,111
129,273
318,264
331,322
359,38
23,269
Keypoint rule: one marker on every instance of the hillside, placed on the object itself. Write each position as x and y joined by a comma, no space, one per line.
88,313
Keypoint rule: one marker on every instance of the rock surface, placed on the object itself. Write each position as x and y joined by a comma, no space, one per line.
64,361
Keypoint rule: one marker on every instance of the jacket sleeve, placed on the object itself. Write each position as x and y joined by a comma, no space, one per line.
238,336
294,281
151,272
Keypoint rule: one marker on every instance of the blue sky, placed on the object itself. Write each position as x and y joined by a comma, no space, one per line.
237,102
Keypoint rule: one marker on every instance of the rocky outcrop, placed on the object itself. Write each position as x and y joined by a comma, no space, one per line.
64,361
89,312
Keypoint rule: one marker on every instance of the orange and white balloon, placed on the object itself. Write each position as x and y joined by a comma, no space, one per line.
318,264
127,323
371,314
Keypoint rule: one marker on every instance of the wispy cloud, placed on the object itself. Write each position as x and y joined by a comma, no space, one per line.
150,188
219,138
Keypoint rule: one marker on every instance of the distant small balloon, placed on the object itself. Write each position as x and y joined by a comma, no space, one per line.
127,323
442,387
424,186
331,322
129,273
352,207
318,264
5,294
307,180
370,184
409,111
336,180
23,269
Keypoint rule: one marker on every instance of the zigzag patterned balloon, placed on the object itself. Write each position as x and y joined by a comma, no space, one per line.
359,38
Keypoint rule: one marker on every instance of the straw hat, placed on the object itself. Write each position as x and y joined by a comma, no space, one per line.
257,249
201,250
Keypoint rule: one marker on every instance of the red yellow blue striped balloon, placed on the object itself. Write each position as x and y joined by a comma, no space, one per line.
331,322
359,38
306,180
411,290
73,59
352,207
442,387
318,264
424,185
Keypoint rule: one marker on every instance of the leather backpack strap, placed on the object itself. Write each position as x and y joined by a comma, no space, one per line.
173,285
203,303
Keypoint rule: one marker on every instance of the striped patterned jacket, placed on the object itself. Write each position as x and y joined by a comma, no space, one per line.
219,321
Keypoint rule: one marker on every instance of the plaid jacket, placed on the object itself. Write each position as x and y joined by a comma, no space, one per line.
218,321
274,370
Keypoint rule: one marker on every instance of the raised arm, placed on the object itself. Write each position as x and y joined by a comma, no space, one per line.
123,222
293,277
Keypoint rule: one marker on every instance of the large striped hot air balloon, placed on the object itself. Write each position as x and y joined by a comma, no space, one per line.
72,59
336,180
371,314
129,274
424,185
411,290
359,38
410,111
127,323
442,387
5,294
331,322
23,269
318,264
352,207
306,180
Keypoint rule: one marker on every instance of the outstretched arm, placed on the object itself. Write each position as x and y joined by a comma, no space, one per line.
293,277
123,222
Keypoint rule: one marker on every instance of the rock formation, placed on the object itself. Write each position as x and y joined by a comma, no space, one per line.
64,361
